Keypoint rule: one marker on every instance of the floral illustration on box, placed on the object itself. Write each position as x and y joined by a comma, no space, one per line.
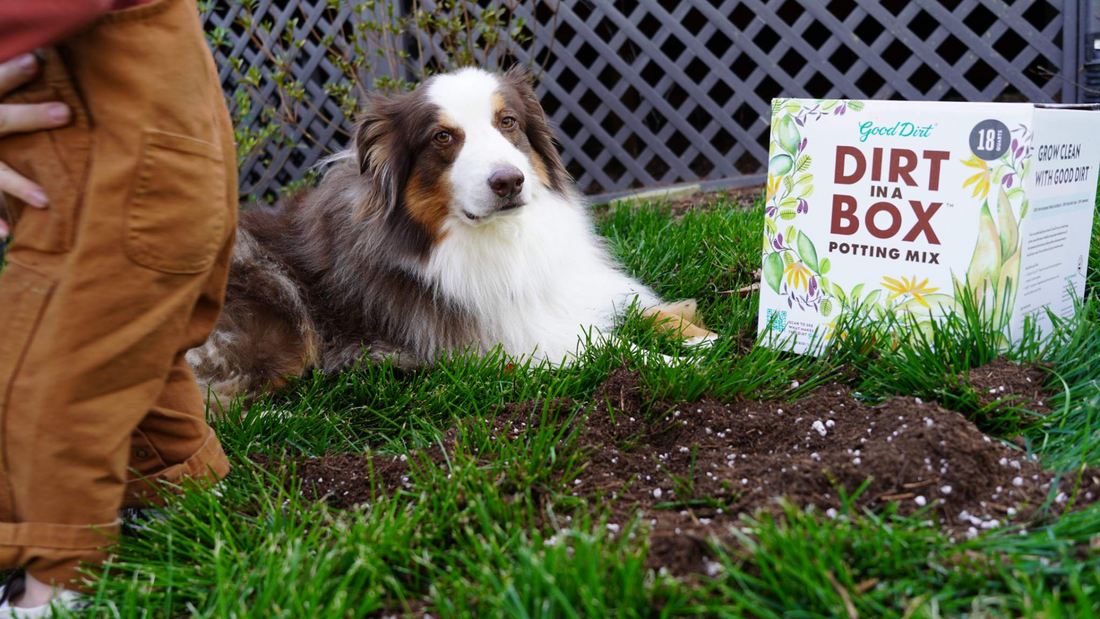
992,277
791,265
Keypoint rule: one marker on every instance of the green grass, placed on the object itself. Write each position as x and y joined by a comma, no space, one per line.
471,539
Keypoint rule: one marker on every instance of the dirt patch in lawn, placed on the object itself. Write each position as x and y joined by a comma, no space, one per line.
343,480
695,467
737,197
691,469
1005,384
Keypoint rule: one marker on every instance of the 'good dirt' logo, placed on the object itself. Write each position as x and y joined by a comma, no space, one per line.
899,129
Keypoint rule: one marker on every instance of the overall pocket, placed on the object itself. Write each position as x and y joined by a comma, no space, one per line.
177,212
58,161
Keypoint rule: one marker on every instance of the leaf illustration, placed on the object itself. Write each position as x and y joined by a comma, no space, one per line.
985,264
858,290
825,266
773,271
938,305
792,107
790,234
871,298
1027,168
1006,223
1006,291
828,104
769,225
788,136
803,163
826,285
806,192
838,292
788,202
826,308
788,258
855,106
780,165
776,105
807,250
1023,210
788,182
805,178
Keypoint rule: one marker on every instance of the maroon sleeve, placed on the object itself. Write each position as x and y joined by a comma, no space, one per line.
26,25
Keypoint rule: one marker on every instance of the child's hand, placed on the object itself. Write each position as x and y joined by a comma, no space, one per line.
15,118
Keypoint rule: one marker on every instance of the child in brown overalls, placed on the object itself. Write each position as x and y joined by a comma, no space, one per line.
106,287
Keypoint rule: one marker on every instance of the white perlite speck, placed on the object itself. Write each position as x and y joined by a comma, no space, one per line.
657,493
945,490
831,513
920,501
820,427
1018,481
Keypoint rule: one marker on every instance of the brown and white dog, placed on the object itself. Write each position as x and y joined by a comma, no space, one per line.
451,226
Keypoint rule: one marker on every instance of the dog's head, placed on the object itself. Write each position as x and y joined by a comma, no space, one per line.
462,149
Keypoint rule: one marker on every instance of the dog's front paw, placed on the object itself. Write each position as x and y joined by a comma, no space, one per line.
680,318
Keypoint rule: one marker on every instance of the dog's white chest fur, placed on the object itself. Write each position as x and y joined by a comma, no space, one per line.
535,282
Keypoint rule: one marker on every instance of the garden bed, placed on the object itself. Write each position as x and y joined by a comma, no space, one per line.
690,470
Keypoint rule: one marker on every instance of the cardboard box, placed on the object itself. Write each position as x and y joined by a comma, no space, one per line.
900,208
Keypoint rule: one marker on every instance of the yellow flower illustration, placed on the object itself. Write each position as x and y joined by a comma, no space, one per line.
831,331
773,186
905,286
981,180
798,276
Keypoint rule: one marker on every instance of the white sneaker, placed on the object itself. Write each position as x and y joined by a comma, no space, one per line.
65,599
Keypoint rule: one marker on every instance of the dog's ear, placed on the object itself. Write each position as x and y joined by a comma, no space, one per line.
383,149
538,130
381,155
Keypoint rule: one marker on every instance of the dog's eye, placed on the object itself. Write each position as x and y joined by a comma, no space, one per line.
507,122
443,137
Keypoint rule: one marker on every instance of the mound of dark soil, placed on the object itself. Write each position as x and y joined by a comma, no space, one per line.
702,464
691,469
1003,383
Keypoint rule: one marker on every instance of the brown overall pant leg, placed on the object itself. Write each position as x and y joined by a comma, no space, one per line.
108,287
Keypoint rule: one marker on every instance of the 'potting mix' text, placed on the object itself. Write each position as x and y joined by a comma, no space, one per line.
889,215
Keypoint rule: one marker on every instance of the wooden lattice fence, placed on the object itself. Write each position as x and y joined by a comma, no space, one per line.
657,92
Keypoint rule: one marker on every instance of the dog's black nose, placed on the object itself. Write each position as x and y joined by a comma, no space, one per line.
506,182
